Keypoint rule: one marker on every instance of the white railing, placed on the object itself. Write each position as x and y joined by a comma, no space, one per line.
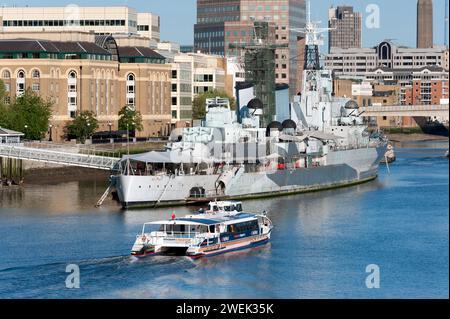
406,108
57,157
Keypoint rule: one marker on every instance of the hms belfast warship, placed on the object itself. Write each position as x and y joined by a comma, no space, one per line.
321,144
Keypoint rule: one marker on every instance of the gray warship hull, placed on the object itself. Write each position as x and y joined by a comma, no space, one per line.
343,168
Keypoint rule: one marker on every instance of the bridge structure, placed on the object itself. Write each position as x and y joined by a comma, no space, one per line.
57,156
441,111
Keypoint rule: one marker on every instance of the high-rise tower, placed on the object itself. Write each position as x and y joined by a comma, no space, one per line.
221,23
345,27
425,23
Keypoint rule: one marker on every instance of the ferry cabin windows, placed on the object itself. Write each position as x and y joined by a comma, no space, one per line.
72,94
243,227
20,83
236,207
131,90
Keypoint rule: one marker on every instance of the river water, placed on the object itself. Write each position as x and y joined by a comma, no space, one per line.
320,247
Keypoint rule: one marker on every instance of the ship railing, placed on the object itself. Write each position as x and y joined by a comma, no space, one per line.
175,235
176,238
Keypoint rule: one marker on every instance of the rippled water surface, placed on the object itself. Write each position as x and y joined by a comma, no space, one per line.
321,244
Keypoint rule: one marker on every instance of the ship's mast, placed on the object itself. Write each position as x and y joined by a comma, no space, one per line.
312,93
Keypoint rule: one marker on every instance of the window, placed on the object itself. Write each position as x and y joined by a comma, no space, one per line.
174,74
174,87
35,74
6,74
131,89
20,83
35,87
174,100
72,93
130,101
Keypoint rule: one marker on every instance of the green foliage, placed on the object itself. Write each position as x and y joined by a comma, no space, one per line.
198,105
131,117
83,126
3,111
29,114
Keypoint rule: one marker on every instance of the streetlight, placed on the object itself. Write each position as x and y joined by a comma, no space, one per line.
88,125
128,136
26,129
110,125
50,132
128,140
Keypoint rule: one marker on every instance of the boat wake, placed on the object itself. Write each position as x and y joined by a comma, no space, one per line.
96,276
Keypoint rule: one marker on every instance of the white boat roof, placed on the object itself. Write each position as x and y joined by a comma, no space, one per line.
208,219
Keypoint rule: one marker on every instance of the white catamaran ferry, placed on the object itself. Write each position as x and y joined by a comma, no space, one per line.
223,228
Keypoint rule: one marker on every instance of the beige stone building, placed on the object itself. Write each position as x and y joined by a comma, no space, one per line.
100,20
87,72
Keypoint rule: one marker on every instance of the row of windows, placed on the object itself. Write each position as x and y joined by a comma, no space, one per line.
143,28
267,8
55,56
35,74
211,44
217,9
61,23
207,35
243,227
184,87
268,17
203,78
217,19
184,100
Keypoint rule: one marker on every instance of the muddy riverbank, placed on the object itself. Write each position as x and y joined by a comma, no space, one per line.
415,137
64,174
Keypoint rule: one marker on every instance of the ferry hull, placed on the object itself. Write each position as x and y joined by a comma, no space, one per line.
231,248
344,168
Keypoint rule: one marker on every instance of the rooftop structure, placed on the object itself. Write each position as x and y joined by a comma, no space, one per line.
101,20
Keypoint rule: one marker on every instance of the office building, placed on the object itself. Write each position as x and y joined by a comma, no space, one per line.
345,27
386,54
196,73
81,71
100,20
224,22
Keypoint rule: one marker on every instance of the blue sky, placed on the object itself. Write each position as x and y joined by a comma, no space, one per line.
397,17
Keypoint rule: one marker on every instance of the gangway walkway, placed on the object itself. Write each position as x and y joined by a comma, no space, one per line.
57,157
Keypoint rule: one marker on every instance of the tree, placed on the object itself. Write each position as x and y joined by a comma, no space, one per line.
29,114
198,105
130,116
83,126
3,110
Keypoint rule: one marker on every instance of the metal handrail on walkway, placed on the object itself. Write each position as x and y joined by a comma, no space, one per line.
57,157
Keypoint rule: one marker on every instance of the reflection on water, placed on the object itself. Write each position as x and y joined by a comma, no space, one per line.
320,245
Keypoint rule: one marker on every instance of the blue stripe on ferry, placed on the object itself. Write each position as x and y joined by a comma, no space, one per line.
251,245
